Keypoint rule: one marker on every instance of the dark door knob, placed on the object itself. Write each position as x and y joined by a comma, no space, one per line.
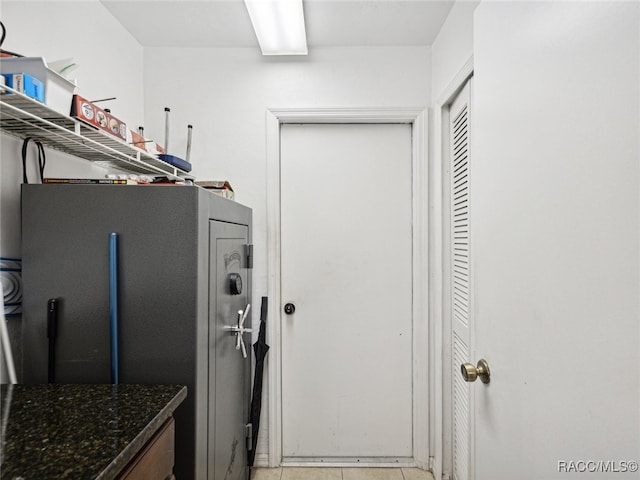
235,284
289,308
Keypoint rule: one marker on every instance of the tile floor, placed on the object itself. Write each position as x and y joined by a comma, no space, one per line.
324,473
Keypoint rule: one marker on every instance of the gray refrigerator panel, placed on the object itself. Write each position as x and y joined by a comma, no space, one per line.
163,274
65,256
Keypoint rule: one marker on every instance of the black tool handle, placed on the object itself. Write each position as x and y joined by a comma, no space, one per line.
52,333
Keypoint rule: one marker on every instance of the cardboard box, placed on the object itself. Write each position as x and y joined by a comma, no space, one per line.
155,149
26,84
137,140
58,90
84,110
222,193
219,187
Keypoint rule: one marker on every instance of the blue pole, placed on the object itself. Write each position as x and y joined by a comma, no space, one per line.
113,304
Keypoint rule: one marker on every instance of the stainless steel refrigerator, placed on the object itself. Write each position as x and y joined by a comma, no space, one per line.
183,271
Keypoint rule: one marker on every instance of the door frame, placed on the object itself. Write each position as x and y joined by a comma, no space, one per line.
417,118
440,304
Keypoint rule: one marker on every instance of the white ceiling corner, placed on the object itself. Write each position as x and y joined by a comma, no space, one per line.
329,23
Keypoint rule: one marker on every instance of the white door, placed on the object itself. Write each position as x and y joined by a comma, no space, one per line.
556,239
346,266
459,280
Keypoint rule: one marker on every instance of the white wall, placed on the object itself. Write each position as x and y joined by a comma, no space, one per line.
109,58
224,93
110,64
452,47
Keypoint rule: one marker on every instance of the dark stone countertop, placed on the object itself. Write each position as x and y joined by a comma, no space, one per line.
79,432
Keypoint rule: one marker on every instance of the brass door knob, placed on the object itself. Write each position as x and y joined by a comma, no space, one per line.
470,373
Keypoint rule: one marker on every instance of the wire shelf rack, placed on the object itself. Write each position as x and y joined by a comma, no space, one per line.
22,117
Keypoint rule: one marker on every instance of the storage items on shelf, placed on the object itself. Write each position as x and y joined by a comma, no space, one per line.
23,117
173,159
137,139
84,110
25,84
57,91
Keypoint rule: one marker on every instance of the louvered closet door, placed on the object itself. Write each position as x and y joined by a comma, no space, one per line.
460,283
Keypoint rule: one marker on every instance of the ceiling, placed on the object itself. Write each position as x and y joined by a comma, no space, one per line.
329,23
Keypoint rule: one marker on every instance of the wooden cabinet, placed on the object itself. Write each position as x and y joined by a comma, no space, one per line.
155,461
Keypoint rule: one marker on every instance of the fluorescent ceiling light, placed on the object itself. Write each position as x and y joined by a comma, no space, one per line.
279,26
